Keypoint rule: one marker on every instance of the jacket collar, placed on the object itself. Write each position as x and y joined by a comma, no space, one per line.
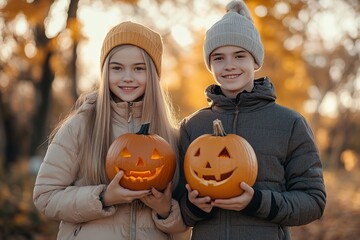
261,95
126,110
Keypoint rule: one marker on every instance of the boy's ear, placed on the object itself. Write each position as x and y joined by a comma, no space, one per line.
256,66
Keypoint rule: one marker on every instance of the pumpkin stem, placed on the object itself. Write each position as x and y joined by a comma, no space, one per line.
144,129
218,128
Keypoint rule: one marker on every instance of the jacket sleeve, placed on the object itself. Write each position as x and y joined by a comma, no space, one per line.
304,199
173,223
55,193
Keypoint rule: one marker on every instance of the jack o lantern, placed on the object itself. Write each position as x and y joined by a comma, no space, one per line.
146,159
215,165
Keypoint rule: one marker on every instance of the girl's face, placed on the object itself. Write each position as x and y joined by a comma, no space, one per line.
233,69
127,74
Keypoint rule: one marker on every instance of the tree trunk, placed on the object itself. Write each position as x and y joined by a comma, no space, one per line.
72,16
43,90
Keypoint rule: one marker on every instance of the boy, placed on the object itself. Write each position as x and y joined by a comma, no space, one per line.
289,189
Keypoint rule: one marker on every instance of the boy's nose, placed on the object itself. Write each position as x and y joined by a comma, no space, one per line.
229,65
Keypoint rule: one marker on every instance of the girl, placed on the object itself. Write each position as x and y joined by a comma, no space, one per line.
72,186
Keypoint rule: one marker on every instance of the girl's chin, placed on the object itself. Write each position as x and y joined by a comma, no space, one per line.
126,98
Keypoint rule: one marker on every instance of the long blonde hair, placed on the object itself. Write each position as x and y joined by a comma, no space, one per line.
157,109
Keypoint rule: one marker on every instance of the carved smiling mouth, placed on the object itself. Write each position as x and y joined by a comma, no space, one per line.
140,176
216,179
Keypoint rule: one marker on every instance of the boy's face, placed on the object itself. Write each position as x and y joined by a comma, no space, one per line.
233,69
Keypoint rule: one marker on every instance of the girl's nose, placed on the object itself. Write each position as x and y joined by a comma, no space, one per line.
127,77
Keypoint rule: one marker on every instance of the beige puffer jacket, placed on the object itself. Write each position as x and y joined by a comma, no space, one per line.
60,192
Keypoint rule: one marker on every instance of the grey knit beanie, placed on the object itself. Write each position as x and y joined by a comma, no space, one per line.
235,28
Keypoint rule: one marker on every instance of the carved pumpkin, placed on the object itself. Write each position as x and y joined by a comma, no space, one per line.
215,165
146,159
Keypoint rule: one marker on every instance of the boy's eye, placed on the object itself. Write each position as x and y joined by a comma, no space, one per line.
216,58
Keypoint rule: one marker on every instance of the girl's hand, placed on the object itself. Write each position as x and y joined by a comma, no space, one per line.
116,194
159,202
237,203
204,203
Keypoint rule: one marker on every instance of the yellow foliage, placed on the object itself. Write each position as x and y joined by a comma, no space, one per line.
350,159
74,25
35,11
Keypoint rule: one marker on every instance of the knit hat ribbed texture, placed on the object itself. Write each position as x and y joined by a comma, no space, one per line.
235,28
137,35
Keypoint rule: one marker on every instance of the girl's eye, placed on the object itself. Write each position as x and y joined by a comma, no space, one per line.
115,67
140,69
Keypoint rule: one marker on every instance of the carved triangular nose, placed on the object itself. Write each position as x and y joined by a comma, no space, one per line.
140,162
208,165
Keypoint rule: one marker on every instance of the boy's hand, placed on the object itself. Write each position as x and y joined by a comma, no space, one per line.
204,203
237,203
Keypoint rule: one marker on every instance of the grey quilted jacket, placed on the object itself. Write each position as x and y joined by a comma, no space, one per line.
289,190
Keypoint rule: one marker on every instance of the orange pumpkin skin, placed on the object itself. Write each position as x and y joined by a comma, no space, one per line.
146,159
215,165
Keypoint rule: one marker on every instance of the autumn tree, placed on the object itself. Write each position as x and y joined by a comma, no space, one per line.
305,71
29,66
329,42
31,60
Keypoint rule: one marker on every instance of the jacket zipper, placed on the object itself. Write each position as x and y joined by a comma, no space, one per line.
131,126
130,118
77,230
236,115
227,213
133,222
227,225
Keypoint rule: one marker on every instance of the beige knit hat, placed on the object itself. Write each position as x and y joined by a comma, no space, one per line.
137,35
236,28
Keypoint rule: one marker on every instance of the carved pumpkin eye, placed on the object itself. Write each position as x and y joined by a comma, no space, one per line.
224,153
197,154
156,155
125,153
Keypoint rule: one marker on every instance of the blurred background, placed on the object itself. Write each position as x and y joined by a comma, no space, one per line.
49,54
